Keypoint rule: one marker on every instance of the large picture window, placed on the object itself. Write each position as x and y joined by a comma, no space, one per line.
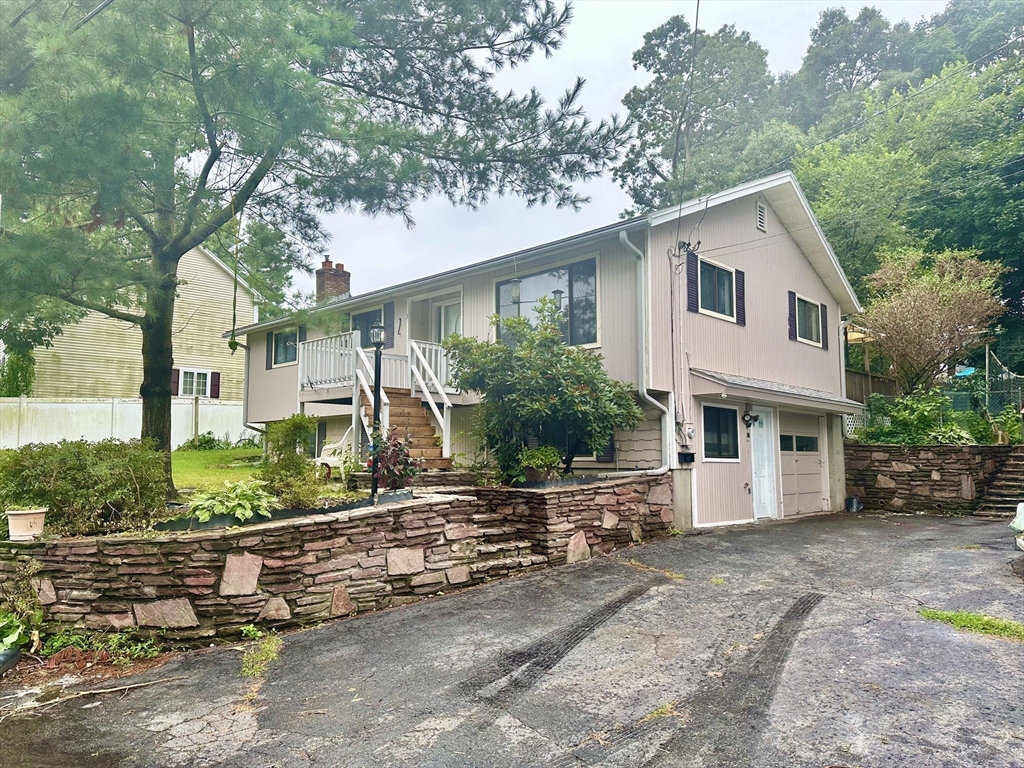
286,347
808,321
720,433
717,290
578,285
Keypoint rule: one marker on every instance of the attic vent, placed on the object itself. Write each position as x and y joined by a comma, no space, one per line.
762,217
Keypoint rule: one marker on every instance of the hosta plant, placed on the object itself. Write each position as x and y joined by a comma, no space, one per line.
242,499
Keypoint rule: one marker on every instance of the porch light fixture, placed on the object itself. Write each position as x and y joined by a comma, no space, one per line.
515,284
378,335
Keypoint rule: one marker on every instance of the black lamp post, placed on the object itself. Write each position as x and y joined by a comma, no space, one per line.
378,335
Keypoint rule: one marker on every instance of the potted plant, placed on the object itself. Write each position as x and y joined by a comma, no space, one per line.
25,524
541,463
12,636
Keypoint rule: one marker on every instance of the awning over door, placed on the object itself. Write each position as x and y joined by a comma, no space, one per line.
714,383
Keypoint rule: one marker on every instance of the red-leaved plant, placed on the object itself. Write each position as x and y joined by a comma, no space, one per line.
394,466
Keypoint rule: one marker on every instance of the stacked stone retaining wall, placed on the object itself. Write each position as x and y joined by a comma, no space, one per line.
939,479
194,586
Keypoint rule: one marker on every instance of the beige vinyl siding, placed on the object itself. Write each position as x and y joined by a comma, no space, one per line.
101,357
773,265
637,449
465,449
273,394
270,392
722,496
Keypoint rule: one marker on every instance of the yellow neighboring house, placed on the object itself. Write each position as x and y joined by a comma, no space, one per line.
102,357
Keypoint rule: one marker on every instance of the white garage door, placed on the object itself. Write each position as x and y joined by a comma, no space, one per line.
803,467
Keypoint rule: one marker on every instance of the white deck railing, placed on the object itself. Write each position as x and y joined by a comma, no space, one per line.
328,362
340,362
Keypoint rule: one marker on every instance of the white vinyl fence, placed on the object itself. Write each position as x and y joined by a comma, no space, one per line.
26,420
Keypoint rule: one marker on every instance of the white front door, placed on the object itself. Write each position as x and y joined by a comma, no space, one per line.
762,454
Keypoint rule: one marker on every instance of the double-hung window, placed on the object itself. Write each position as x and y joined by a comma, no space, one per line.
573,286
286,346
194,383
717,290
808,321
721,439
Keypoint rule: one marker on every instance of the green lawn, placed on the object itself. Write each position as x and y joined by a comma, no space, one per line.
211,469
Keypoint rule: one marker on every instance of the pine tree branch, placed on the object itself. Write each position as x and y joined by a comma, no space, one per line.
141,220
116,314
209,128
190,238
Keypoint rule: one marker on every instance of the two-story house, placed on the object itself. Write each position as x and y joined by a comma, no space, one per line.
724,313
102,357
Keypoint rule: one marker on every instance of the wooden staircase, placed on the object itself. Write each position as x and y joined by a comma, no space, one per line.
1006,490
410,417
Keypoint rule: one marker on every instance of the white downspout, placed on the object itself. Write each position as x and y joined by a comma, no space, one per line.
667,434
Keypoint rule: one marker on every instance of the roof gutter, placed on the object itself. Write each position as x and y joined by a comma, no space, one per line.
641,334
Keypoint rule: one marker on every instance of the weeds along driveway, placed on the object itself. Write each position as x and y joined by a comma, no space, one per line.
793,644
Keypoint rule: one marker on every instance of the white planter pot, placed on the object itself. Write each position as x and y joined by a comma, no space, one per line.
25,524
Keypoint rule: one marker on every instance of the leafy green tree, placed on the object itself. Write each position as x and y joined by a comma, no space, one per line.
132,138
845,56
533,385
690,130
930,311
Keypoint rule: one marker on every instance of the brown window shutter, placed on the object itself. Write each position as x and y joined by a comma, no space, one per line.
824,326
302,333
692,277
175,380
270,350
792,316
607,455
389,325
215,384
741,298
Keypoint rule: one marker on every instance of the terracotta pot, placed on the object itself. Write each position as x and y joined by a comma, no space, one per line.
25,524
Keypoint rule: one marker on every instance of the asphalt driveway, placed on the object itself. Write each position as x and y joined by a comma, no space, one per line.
793,644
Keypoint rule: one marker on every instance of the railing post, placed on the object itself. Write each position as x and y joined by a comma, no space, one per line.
446,434
412,379
356,434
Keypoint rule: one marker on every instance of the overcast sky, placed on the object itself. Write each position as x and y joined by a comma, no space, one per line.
600,41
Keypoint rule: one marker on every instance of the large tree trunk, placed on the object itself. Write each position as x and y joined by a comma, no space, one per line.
157,362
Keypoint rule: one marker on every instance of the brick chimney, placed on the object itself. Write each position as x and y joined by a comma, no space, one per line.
332,282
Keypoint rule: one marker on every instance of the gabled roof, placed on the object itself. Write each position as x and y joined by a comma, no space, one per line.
781,191
790,204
